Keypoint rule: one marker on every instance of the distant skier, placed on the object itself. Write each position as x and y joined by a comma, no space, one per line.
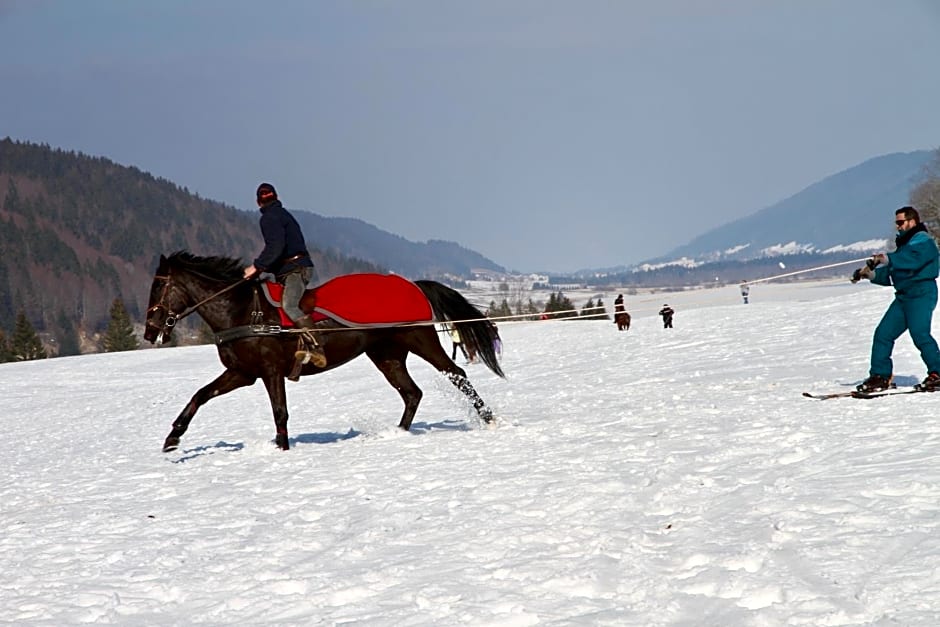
745,291
457,342
667,313
912,270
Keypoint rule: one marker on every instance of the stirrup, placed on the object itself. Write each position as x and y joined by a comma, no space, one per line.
311,349
312,355
303,357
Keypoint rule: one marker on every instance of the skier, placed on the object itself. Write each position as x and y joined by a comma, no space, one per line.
912,269
667,312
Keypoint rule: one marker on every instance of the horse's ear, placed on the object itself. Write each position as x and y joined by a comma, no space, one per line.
162,260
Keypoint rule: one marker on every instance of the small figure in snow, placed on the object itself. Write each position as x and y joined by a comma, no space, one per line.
667,313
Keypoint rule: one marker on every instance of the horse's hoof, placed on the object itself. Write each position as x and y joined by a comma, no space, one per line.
282,442
171,444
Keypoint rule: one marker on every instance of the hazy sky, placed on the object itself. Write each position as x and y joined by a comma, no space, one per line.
546,135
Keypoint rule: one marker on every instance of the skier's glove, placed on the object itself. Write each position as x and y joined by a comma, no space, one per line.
865,272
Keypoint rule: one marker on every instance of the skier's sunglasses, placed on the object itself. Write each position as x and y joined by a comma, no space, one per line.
900,222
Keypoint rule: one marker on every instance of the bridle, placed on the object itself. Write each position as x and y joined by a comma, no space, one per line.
171,317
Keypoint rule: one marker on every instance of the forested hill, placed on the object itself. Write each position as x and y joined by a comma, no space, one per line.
76,232
433,259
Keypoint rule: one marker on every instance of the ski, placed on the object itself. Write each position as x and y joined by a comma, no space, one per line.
824,397
892,392
866,395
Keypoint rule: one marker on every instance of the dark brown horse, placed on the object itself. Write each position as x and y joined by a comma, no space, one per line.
252,345
622,320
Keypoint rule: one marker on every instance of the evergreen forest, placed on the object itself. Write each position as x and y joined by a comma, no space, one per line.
78,233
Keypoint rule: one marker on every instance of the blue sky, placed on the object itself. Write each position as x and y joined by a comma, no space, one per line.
545,135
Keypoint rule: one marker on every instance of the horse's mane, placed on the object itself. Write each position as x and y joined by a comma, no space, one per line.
221,268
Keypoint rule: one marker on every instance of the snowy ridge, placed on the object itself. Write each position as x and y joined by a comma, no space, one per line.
791,248
735,249
870,245
684,262
649,477
776,250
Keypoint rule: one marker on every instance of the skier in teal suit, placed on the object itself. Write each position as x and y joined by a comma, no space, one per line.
912,269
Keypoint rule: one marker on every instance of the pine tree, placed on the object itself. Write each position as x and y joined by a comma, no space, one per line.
560,306
499,311
26,344
67,336
120,333
6,353
588,310
594,312
566,308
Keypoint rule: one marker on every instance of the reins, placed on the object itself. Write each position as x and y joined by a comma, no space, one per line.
205,300
173,318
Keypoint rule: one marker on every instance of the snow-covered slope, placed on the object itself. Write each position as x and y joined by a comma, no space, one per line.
650,477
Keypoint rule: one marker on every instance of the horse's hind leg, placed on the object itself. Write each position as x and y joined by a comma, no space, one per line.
392,365
462,383
429,349
224,383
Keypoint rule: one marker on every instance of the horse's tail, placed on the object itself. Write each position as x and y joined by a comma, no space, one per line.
477,333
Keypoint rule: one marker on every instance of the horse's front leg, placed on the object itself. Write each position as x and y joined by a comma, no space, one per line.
275,386
224,383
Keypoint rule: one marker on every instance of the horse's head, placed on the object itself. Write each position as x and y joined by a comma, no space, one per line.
184,284
167,300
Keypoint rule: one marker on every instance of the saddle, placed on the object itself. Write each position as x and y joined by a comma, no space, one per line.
370,300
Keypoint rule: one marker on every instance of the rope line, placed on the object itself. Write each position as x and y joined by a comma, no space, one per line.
568,315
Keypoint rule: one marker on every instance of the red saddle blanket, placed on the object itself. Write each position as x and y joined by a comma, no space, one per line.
360,300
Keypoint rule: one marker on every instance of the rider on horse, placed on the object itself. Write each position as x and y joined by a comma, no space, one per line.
285,256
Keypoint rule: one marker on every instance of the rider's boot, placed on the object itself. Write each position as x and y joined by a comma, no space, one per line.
311,352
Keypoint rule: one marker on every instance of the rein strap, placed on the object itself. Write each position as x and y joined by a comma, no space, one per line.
205,300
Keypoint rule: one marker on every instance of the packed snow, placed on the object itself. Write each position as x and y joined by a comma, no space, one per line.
646,477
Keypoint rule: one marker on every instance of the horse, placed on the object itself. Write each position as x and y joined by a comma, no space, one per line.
622,320
253,342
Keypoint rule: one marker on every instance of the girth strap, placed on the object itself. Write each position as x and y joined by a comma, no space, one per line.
257,326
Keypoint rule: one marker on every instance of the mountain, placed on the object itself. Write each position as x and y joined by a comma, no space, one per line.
76,232
838,220
350,236
853,206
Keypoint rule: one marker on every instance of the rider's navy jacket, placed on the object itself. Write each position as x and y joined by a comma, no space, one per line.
283,239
